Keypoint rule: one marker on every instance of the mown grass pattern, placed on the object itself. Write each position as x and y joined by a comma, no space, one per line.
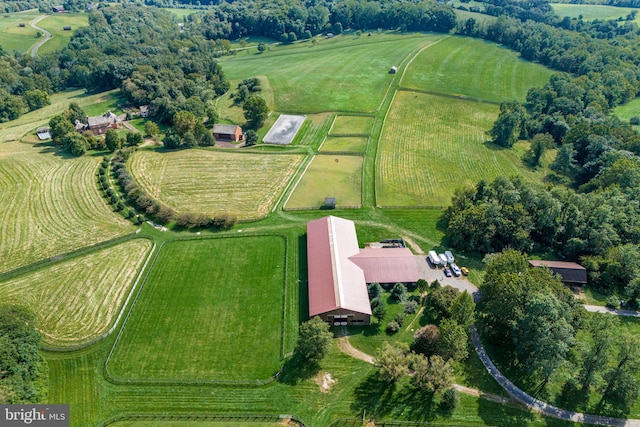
352,125
209,310
244,185
78,300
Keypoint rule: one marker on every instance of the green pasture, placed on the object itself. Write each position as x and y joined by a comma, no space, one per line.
50,204
54,24
329,176
209,310
474,68
354,144
78,300
12,36
180,13
314,129
245,185
346,73
480,18
628,110
591,12
431,146
352,125
225,423
105,101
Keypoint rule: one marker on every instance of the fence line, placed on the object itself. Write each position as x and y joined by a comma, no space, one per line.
435,207
320,208
204,417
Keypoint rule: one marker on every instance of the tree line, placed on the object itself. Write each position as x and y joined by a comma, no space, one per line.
533,320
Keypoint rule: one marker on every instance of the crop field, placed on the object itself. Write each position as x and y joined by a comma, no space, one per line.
352,125
245,185
475,69
314,129
209,310
50,205
354,144
591,12
443,146
329,176
92,288
309,78
12,36
54,24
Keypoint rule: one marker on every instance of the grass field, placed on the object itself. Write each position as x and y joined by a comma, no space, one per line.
591,12
314,129
89,291
442,147
628,110
355,144
54,24
12,36
225,423
212,182
209,310
50,204
341,74
181,13
329,176
475,69
107,101
352,125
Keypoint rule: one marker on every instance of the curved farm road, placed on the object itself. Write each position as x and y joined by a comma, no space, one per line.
537,405
47,35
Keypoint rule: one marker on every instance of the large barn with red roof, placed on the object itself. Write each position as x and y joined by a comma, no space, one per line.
339,271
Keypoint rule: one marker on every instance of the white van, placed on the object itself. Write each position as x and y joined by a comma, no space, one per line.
443,259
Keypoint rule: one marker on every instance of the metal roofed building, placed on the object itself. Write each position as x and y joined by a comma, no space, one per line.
387,265
339,271
337,288
571,273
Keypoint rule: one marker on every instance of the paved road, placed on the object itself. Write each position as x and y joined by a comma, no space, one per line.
537,405
47,35
599,309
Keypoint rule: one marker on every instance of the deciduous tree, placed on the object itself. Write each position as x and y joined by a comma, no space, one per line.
392,361
314,339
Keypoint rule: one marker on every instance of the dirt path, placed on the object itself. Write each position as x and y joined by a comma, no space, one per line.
47,35
416,249
345,346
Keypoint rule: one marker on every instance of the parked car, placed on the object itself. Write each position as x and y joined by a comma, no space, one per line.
449,256
464,271
456,270
447,272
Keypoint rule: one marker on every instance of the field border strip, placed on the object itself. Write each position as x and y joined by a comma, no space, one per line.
448,95
287,188
354,422
150,381
316,208
295,186
17,272
107,374
203,417
115,323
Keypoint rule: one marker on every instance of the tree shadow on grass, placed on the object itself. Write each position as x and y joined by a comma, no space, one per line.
296,369
374,396
500,415
572,397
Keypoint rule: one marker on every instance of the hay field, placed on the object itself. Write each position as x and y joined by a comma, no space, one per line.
352,125
329,176
341,74
591,12
246,185
209,310
432,145
12,36
78,300
50,205
475,69
354,144
54,24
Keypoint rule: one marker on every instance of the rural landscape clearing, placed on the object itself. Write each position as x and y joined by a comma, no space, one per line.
169,277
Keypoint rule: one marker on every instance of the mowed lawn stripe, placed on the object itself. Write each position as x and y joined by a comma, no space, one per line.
432,145
341,74
245,185
51,205
474,68
89,291
209,310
